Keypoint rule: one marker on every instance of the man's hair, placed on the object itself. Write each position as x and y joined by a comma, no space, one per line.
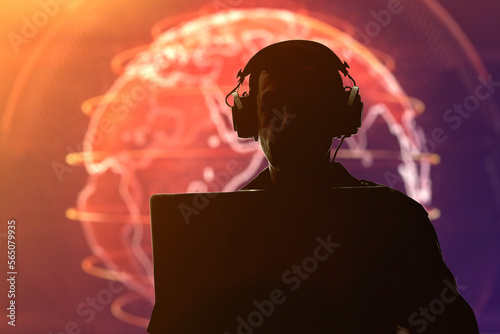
290,56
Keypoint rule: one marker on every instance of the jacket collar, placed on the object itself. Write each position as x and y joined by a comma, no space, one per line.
338,177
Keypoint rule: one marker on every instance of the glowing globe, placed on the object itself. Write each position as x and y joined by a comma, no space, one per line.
163,127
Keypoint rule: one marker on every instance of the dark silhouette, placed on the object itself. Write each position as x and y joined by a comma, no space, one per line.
304,248
296,105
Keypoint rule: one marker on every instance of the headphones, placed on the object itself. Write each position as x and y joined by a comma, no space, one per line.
345,121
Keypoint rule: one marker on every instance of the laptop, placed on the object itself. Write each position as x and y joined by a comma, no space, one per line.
262,261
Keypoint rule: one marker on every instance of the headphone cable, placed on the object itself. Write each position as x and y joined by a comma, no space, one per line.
335,154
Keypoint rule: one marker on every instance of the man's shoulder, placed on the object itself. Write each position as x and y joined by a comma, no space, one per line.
261,181
393,194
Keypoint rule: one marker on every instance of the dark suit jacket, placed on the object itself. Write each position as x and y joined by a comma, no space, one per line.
388,270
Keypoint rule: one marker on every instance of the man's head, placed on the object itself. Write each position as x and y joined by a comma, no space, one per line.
296,96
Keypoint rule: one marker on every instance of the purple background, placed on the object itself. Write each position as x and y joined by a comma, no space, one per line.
51,284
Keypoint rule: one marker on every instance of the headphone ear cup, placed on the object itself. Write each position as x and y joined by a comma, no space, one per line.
348,118
244,116
355,110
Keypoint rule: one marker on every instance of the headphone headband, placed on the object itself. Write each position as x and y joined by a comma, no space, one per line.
261,58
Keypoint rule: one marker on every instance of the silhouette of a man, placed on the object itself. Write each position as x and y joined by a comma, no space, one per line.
296,93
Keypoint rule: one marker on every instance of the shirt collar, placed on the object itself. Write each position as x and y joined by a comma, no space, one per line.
338,177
